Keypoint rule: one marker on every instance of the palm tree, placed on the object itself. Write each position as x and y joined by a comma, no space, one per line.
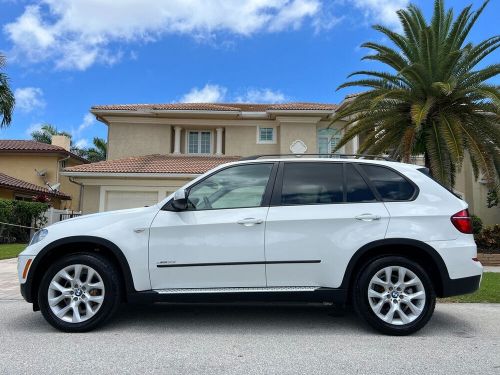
98,152
7,99
46,132
433,99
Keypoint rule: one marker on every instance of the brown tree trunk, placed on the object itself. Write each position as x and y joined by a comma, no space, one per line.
427,162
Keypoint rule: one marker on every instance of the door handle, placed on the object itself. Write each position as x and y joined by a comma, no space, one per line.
250,221
367,217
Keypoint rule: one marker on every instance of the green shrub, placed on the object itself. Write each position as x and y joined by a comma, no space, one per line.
477,224
489,239
20,213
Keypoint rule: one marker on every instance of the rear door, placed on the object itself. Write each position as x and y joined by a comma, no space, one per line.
321,213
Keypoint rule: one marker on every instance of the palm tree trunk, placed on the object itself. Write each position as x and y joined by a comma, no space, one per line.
427,161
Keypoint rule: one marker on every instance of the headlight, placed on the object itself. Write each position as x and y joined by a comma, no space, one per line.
40,235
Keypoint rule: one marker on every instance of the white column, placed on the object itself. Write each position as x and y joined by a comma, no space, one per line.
219,141
177,140
355,144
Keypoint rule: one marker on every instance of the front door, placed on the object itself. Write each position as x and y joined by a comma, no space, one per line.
219,240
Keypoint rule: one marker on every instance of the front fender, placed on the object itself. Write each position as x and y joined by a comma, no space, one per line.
60,247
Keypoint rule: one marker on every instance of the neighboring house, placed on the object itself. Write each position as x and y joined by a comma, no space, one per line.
154,149
13,188
30,168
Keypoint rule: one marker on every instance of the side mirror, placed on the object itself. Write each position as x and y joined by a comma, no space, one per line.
179,202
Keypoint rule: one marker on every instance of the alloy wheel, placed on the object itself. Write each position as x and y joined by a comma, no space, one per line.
396,295
76,293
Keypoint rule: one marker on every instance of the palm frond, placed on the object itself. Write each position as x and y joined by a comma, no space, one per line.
431,98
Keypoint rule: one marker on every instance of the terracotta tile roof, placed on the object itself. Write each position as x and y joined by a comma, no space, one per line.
235,107
185,164
16,184
11,145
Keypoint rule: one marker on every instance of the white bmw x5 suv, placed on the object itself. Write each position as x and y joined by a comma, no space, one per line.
382,236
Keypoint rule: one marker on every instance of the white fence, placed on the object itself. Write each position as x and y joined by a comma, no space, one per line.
53,215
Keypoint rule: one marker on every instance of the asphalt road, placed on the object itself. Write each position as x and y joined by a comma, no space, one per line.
250,339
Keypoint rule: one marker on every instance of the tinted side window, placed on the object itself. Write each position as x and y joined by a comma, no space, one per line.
390,185
235,187
312,183
357,188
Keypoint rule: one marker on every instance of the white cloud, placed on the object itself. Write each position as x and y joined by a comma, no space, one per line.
215,93
29,98
208,94
87,121
79,33
262,96
382,11
81,143
33,128
294,14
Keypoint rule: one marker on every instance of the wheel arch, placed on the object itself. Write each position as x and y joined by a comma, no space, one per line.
415,250
66,246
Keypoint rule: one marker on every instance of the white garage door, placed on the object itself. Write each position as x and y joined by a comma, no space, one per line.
118,200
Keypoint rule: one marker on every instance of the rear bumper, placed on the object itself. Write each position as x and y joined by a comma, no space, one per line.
464,285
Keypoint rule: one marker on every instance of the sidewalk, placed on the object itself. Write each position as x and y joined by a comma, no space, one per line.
491,268
9,284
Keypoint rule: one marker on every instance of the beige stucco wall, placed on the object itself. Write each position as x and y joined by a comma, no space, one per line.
90,201
22,166
135,139
242,141
143,136
291,131
6,194
71,189
475,194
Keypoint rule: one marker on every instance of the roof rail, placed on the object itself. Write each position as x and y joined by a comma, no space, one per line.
332,156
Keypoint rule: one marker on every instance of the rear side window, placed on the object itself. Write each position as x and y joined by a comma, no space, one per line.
390,185
357,189
312,183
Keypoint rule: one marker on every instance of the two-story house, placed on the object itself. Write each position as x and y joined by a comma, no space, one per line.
155,148
29,169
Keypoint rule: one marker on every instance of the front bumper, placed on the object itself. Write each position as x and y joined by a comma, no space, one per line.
24,292
464,285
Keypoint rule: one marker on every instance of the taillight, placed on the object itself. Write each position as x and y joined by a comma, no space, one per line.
462,221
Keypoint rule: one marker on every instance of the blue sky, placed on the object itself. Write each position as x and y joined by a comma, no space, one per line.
66,55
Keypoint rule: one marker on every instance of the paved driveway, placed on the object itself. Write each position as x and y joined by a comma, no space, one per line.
250,339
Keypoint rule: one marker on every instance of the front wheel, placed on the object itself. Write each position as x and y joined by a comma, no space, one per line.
394,295
79,292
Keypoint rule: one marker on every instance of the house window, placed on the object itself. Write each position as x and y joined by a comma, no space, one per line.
266,135
328,139
199,142
25,198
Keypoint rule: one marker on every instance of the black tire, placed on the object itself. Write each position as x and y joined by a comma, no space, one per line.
112,295
362,305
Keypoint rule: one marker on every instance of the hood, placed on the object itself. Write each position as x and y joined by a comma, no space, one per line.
112,215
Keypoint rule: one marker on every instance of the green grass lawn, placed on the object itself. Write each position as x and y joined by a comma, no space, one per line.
11,250
488,292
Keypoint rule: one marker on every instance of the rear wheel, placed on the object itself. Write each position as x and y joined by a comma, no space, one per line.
394,295
79,292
